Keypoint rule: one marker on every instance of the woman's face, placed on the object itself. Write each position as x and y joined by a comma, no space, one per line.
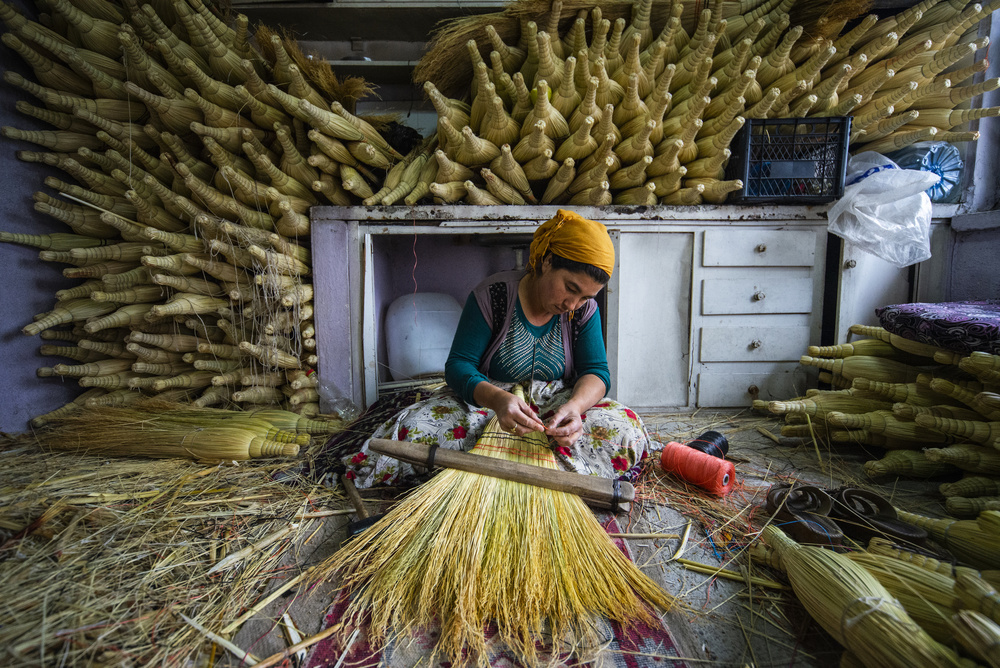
562,290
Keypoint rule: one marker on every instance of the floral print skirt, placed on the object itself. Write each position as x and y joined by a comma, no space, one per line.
613,444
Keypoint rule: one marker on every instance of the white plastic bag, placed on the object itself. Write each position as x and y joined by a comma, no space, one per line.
885,210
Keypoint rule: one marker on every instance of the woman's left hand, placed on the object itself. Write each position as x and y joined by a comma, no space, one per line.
566,426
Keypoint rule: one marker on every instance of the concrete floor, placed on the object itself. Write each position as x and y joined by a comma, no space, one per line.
720,622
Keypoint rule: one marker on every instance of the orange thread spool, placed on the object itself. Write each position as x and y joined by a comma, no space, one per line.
710,473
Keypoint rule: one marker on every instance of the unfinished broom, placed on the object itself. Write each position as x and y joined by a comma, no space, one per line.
855,608
127,432
466,549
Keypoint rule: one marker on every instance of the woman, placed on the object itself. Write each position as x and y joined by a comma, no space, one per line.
540,326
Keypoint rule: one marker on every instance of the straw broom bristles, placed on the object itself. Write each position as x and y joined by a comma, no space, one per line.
963,538
466,549
855,608
927,596
146,430
977,594
978,634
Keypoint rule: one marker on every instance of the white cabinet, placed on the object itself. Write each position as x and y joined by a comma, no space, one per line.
708,306
761,306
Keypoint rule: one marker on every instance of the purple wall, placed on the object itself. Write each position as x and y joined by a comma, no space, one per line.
29,284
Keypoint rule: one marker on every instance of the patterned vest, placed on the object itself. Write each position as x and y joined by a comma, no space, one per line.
497,296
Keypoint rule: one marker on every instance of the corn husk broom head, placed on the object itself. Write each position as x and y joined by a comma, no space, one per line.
978,634
851,605
466,549
965,539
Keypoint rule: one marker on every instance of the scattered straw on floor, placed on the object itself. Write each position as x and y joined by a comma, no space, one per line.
100,558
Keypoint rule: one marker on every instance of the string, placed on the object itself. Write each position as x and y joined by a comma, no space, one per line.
698,468
871,604
512,450
711,443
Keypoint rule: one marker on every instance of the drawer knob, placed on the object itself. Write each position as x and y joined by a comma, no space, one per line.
758,296
756,343
851,264
753,391
761,248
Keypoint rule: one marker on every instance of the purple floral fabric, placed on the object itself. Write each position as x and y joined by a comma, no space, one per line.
963,327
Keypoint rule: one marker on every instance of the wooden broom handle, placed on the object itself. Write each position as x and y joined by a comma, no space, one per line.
354,497
597,492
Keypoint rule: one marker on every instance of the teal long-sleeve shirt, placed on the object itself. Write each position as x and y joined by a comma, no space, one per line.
528,351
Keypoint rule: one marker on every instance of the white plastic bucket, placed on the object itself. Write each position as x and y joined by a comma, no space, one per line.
419,329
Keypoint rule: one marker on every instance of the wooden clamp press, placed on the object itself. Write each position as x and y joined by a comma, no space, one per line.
614,495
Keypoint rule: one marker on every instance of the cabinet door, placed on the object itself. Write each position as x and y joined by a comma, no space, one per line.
649,329
866,283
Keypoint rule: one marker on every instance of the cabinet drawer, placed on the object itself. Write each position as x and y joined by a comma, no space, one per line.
759,248
728,390
756,294
753,344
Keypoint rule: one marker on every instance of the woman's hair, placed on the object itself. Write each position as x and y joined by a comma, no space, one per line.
596,273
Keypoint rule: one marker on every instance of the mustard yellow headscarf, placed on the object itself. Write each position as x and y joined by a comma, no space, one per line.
573,237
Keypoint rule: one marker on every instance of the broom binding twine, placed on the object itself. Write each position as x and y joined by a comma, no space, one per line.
871,604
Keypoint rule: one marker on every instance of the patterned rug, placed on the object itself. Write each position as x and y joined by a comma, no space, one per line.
641,646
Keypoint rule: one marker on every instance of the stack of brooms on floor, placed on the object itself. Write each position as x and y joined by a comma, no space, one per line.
935,412
892,607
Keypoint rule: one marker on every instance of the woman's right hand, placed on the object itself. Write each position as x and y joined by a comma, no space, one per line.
516,416
513,413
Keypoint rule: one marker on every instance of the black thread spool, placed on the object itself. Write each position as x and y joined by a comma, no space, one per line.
711,443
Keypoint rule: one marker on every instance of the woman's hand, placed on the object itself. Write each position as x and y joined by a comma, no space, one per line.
566,426
514,415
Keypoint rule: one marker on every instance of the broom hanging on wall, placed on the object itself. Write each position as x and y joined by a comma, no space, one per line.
464,550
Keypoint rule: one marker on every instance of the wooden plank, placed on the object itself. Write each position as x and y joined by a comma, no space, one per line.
759,248
753,344
756,294
332,286
596,491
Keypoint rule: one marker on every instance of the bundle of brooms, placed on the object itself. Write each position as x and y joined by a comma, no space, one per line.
934,411
187,172
568,103
851,604
950,603
160,429
464,550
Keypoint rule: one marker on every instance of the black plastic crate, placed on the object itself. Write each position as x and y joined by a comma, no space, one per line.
790,160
